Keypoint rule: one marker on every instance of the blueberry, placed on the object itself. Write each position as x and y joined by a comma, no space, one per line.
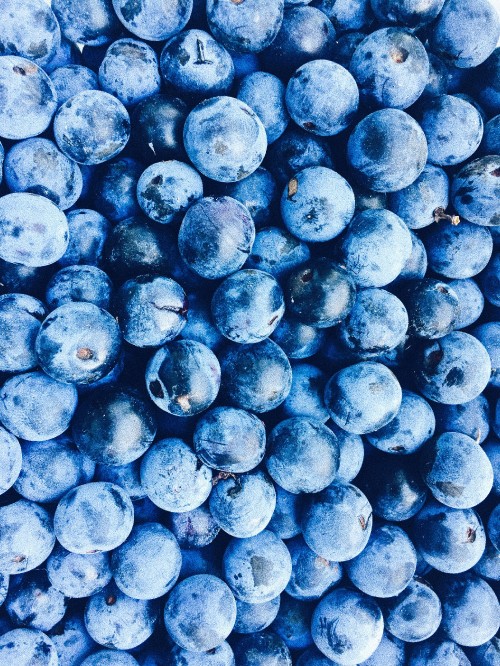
363,397
22,646
151,310
224,139
489,335
10,460
20,320
387,564
351,452
216,236
276,251
309,101
285,522
265,94
115,620
36,407
137,246
79,284
317,204
78,576
245,27
129,71
110,658
114,425
264,648
69,80
242,506
393,486
306,394
416,265
183,378
256,377
66,54
390,652
94,517
29,98
296,339
486,83
490,144
413,425
436,652
222,655
194,529
148,564
33,231
195,64
320,293
312,575
258,193
37,166
229,439
252,618
114,195
485,654
450,540
452,370
49,469
78,343
90,22
462,597
377,323
417,203
346,43
489,280
470,418
126,476
433,307
76,122
347,626
88,231
415,614
27,537
293,622
387,150
453,129
153,20
305,34
412,13
391,68
35,603
295,150
337,522
465,35
247,306
474,191
494,527
157,124
347,15
174,478
189,616
376,247
71,639
302,455
30,31
199,325
257,569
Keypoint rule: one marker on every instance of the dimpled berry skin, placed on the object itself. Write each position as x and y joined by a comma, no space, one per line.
224,139
29,30
33,231
89,22
29,98
347,626
245,27
27,537
363,397
391,68
94,517
75,123
36,407
183,378
26,647
78,576
153,20
311,104
337,522
317,204
189,614
37,166
387,150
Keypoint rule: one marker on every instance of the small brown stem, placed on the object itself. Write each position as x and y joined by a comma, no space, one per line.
440,214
